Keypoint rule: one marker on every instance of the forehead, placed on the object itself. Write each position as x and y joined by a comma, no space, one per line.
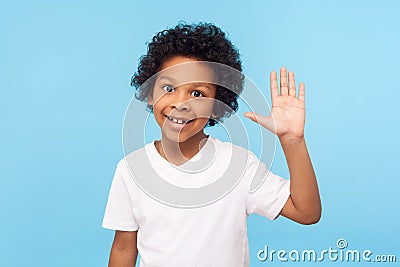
182,70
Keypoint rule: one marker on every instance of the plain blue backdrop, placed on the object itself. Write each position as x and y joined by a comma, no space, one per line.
65,69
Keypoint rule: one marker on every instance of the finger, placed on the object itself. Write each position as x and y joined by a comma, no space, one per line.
273,85
292,84
302,92
251,115
265,121
284,85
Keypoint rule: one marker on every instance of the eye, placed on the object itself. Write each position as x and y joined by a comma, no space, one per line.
197,93
168,88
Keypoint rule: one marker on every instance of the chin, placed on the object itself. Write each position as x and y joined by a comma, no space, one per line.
179,138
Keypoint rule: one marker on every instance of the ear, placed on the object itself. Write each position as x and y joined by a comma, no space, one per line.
150,100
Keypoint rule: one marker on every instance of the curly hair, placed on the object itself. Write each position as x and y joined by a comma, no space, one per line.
203,42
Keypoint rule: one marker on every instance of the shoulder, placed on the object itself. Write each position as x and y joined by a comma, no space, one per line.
135,154
242,161
134,157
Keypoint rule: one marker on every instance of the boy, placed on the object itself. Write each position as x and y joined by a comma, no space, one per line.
186,95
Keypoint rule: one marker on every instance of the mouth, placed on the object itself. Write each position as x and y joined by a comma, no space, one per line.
179,120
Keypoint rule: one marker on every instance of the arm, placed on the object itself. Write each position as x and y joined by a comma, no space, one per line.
303,205
287,121
123,251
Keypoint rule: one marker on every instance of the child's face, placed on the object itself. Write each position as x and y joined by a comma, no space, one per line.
183,98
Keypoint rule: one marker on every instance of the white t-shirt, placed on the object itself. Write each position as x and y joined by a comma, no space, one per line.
204,236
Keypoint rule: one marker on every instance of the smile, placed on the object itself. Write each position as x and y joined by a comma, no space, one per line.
178,120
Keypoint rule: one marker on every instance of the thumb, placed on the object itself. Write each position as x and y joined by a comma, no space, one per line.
265,121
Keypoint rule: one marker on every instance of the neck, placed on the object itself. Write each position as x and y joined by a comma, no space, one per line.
180,152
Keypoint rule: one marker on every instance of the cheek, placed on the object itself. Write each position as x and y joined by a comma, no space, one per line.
158,107
157,95
203,108
159,102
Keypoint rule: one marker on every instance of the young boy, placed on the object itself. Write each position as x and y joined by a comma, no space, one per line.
184,101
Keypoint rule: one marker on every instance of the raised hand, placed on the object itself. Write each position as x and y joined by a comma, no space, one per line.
287,121
287,116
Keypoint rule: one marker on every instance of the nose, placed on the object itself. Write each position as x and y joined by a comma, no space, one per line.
181,102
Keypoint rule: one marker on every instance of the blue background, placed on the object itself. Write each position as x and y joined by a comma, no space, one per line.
65,70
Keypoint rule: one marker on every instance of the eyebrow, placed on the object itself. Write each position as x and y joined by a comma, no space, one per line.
171,79
168,78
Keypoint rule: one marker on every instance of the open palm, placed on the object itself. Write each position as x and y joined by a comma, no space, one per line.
287,116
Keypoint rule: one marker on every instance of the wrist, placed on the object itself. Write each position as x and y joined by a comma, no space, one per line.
291,140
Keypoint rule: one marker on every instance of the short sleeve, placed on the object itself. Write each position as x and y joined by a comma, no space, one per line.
270,194
119,210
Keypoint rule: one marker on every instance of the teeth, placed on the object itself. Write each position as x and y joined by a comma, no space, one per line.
177,121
